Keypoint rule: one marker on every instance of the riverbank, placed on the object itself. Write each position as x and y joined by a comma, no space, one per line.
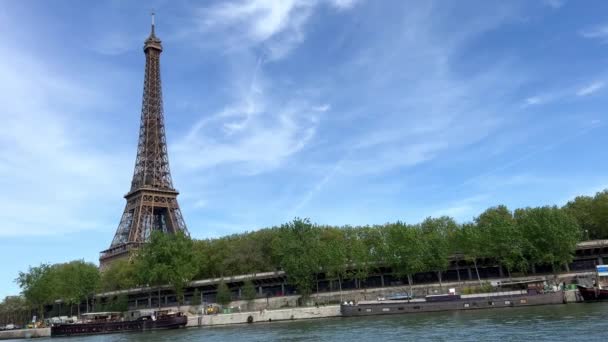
571,322
293,314
278,315
24,333
357,295
249,317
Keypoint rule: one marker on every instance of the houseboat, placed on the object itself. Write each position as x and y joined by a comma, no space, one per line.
455,302
113,322
599,290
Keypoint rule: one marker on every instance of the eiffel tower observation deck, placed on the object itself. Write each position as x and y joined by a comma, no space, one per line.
152,200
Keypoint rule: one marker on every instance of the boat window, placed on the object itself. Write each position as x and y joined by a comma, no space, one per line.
400,308
490,303
386,309
523,301
466,305
368,310
417,307
359,309
507,302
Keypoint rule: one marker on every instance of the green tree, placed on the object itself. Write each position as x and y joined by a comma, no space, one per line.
551,235
359,252
39,286
120,275
118,303
223,296
598,224
297,248
333,255
471,245
77,281
196,298
404,250
248,291
582,208
167,259
436,235
14,309
502,238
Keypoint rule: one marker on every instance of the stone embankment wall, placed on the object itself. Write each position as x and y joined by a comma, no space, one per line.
327,311
265,316
24,333
328,298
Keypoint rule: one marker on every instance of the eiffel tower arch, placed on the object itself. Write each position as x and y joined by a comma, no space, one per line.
152,200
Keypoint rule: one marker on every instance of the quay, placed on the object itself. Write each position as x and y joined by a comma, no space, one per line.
268,316
257,316
24,333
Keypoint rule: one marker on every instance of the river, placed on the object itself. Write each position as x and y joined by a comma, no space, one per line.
584,321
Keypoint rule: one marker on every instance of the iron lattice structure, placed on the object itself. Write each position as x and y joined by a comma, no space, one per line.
152,201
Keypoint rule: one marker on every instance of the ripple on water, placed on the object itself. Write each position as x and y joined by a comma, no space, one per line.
548,323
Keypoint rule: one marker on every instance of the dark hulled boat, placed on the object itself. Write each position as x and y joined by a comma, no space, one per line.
591,294
110,322
453,303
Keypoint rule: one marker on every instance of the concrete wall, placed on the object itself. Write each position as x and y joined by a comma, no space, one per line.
24,333
326,298
265,316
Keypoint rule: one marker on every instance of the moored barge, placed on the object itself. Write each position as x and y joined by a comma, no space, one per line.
599,290
112,322
453,303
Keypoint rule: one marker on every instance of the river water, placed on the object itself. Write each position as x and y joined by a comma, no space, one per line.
584,322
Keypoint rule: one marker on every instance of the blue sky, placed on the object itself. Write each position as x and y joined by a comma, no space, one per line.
347,112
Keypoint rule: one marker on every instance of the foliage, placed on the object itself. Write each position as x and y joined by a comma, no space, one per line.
436,235
502,238
39,286
14,309
121,274
115,303
297,248
551,234
333,254
248,291
404,250
167,259
196,298
76,281
515,240
591,213
223,296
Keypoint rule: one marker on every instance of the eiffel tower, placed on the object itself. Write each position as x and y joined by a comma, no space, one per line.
152,201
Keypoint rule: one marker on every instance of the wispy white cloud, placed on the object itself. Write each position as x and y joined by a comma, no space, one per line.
277,26
50,173
343,4
322,108
438,112
561,94
590,89
554,4
256,132
535,100
463,209
597,32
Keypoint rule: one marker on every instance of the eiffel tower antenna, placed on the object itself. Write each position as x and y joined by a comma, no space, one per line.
152,200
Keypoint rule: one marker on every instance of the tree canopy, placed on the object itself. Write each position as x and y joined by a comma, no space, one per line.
514,239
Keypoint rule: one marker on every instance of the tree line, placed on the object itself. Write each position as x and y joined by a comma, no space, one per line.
517,240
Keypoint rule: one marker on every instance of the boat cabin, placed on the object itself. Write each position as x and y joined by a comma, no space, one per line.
601,274
98,317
